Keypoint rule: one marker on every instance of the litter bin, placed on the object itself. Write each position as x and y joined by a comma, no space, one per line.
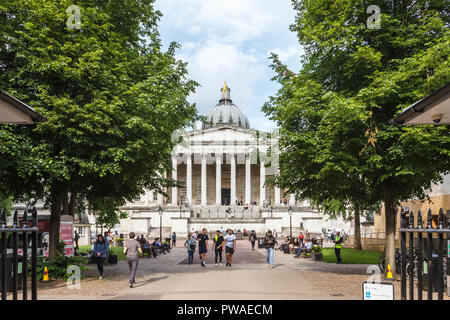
261,242
9,273
433,272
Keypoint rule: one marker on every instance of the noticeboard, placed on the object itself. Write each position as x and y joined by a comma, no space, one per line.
377,291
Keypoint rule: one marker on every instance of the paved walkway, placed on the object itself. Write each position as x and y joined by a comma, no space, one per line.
167,277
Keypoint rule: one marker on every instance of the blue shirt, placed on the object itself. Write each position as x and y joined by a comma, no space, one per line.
100,248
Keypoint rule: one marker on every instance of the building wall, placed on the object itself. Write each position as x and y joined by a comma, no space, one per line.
439,197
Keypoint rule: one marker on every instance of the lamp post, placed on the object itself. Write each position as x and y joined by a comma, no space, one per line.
290,220
271,211
160,211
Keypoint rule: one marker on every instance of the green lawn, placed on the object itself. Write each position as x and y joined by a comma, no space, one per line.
351,256
117,251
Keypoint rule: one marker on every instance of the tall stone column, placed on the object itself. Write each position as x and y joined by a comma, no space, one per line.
247,179
218,179
233,179
292,200
203,185
277,196
262,180
174,177
160,199
189,178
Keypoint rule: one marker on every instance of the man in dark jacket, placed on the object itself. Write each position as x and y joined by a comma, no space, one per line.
252,239
269,243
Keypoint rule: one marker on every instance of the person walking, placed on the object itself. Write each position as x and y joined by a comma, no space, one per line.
338,246
107,241
230,246
202,240
76,238
269,243
252,238
100,248
131,249
190,244
217,246
174,239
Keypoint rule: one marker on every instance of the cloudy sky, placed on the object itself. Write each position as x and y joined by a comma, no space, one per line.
230,40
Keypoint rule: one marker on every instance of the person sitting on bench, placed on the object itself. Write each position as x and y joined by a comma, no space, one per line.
304,248
285,243
158,245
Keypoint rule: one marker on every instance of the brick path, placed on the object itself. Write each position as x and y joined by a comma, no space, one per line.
165,278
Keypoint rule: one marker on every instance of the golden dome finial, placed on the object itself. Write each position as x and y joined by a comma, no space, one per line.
224,87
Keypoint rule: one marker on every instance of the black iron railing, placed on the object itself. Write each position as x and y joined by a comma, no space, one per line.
414,261
10,261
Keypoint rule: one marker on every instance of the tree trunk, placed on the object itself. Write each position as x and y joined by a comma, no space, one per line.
390,220
357,245
55,221
65,204
73,203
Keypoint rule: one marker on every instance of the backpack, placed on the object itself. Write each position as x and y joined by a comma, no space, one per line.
193,244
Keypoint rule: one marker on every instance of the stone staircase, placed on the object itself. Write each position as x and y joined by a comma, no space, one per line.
221,213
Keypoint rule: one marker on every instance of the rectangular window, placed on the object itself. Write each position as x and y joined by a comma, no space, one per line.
80,231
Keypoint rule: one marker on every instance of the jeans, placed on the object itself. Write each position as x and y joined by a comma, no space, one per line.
100,262
299,250
132,264
190,256
337,251
218,253
253,244
270,256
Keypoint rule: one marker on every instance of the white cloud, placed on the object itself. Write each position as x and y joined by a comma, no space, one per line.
231,41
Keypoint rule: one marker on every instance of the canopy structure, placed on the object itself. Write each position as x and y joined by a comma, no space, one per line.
433,109
15,111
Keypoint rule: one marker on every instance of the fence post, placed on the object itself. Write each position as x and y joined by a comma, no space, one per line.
411,256
25,256
403,253
420,256
448,255
34,235
430,255
14,265
440,255
4,253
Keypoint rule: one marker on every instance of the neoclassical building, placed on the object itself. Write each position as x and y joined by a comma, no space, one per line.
222,169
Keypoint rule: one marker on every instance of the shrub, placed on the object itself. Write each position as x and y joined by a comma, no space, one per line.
57,268
316,249
118,240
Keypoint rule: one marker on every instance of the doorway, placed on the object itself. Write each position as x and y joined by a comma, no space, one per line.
226,197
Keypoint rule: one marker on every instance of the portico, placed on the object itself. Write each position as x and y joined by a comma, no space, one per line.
222,170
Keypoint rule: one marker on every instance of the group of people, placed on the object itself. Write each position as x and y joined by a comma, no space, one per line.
156,244
220,242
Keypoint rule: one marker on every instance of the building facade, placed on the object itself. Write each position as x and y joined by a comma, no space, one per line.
223,168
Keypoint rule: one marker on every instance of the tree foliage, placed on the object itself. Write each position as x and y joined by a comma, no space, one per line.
337,144
111,96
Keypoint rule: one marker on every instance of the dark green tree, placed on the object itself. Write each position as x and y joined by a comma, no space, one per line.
111,96
334,114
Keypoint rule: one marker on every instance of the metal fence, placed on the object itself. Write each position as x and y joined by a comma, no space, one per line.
10,261
421,261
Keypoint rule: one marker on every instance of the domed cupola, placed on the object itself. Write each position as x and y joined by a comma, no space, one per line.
225,112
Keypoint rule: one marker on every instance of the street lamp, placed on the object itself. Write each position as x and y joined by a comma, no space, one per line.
160,211
290,220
